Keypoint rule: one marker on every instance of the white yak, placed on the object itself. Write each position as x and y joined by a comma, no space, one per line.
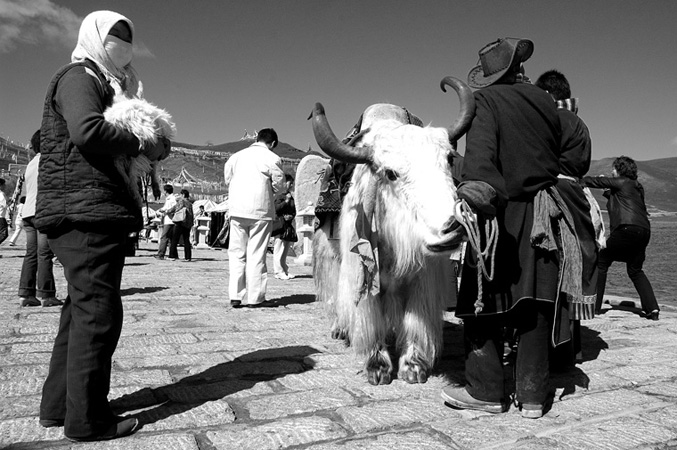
388,284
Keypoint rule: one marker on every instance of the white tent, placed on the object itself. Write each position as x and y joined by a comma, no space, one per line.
221,207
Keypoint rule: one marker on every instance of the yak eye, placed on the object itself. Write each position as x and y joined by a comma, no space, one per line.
391,174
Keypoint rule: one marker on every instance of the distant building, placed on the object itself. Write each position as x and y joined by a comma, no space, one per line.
249,136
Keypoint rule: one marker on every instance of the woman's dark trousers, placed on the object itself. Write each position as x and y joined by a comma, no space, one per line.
627,244
180,231
37,261
77,386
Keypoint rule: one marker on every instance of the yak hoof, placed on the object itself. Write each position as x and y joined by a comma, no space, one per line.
413,375
339,333
414,369
379,368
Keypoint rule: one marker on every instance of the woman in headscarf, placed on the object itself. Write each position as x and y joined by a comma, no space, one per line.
86,211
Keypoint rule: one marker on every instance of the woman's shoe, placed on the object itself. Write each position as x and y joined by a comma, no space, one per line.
121,429
532,411
29,301
282,276
51,301
653,315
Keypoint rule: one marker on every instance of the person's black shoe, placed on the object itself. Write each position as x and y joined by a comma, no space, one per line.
653,315
121,429
236,303
51,423
263,304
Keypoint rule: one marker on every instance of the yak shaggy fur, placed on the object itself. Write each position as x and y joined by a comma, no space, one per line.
415,196
148,123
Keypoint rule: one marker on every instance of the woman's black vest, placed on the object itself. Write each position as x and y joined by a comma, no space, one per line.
80,189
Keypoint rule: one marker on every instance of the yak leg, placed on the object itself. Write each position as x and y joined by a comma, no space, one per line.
420,338
368,336
326,266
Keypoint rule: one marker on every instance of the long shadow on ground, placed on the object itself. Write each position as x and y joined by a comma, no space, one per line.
214,383
144,290
297,299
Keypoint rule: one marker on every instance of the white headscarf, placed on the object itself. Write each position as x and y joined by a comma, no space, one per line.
93,31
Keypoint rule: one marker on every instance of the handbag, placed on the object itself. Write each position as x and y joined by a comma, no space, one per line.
180,216
289,233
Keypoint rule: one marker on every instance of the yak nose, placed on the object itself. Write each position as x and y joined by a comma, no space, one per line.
450,225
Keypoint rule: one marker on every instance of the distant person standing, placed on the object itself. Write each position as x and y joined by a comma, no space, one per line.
166,212
286,211
182,229
3,212
18,223
36,284
630,231
200,213
253,177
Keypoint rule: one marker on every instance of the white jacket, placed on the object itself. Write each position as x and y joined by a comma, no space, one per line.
168,209
253,176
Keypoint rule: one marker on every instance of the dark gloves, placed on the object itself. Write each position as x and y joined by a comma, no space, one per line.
480,196
159,150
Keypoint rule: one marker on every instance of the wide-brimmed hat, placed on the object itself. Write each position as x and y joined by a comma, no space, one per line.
496,58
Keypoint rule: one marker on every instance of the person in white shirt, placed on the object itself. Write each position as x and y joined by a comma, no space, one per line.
167,212
253,176
18,222
3,212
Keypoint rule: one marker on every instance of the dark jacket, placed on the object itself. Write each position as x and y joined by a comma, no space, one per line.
77,181
576,150
284,206
625,201
513,143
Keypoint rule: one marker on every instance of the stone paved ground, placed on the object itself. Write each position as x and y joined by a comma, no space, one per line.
200,375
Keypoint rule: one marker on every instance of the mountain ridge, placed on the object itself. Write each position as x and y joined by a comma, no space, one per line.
205,162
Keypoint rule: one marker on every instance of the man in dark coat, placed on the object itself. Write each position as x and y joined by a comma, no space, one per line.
510,168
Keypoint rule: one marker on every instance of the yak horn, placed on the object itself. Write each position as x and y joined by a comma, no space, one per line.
330,144
466,110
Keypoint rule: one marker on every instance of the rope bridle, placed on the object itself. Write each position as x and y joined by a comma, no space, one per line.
485,257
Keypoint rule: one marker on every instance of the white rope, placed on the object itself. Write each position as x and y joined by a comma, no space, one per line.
486,256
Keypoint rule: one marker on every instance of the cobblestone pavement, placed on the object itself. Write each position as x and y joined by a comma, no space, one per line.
201,375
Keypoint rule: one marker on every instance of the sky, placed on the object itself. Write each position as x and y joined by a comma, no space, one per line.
222,67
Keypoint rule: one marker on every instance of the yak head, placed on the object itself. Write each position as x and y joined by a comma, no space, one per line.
403,175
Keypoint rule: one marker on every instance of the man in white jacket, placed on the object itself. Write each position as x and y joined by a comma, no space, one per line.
253,176
166,212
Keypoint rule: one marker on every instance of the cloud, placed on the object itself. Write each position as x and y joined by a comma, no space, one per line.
37,22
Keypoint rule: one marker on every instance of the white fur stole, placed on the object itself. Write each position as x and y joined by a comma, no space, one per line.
147,122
